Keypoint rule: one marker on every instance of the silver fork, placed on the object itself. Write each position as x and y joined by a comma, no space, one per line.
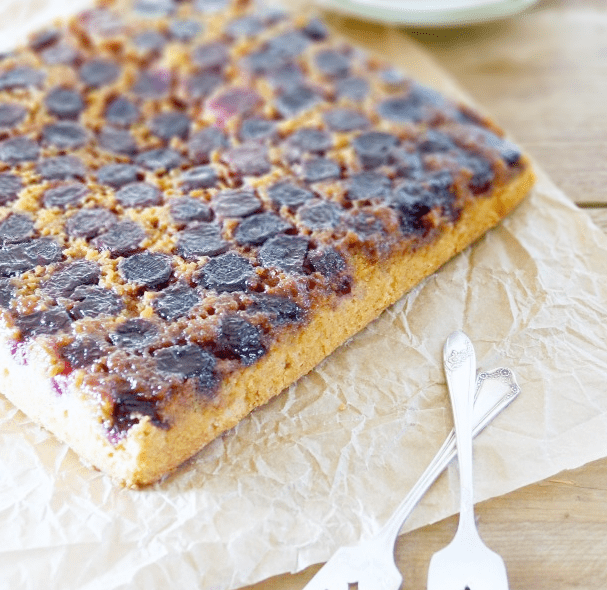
370,564
466,563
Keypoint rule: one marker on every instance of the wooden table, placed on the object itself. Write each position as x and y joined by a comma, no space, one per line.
543,75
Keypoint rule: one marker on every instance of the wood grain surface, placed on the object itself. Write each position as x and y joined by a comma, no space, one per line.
543,75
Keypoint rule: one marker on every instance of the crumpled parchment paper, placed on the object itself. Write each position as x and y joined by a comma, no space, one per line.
327,461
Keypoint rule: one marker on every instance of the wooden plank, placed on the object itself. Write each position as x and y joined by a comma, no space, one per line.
550,534
542,75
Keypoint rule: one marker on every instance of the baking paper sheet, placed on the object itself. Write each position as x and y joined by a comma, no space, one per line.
327,461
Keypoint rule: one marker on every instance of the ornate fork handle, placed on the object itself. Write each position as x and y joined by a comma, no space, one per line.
481,418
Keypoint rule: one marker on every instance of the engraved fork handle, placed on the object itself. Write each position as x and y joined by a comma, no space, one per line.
444,456
460,369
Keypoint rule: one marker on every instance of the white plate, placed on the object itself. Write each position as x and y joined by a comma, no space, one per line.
429,12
